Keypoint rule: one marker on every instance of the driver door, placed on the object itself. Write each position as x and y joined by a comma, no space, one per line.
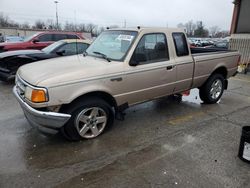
155,73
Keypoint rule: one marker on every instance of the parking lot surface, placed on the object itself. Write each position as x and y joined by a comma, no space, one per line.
170,142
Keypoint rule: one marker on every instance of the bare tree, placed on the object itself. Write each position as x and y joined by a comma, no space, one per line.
90,28
69,26
190,28
50,24
181,25
81,27
6,22
214,30
25,25
39,24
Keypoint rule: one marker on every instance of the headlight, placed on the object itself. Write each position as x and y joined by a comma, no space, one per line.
36,95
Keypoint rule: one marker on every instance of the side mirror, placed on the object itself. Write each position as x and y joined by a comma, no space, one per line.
35,41
60,52
137,58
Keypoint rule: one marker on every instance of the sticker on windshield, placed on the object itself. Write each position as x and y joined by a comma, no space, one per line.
125,37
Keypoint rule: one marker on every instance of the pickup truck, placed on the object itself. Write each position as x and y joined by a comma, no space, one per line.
80,96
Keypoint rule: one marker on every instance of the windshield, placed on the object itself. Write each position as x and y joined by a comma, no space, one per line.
30,37
53,46
113,44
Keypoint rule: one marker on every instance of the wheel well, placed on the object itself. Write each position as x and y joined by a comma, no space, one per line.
222,71
103,95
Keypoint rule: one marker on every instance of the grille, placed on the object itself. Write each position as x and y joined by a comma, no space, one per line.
20,87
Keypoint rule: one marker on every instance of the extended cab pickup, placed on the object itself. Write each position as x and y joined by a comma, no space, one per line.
81,95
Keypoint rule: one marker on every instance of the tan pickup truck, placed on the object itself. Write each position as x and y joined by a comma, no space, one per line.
81,95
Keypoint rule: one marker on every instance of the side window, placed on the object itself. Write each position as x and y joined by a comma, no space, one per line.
72,37
70,49
81,47
151,48
180,43
45,38
58,37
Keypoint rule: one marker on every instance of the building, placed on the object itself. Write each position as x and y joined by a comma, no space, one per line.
240,31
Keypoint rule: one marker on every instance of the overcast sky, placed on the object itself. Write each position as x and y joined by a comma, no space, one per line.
136,12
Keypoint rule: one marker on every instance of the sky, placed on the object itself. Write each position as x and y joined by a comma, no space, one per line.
157,13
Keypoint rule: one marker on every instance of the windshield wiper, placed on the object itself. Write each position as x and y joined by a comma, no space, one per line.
103,55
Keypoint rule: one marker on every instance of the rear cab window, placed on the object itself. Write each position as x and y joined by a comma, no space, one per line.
181,46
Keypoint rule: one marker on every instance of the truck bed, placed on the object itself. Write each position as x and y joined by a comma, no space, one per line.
207,50
207,60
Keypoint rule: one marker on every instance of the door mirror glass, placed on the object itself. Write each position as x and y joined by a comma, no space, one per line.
35,41
137,58
61,52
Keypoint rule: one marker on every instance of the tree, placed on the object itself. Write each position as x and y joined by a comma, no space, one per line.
69,26
6,22
50,24
190,28
25,25
91,28
181,25
200,31
81,27
39,25
213,30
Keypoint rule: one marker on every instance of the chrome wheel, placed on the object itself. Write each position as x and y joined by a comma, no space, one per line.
216,89
91,122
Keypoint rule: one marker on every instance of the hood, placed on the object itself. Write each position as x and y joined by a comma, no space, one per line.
50,73
19,52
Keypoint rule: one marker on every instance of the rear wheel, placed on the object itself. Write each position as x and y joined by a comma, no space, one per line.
90,118
213,89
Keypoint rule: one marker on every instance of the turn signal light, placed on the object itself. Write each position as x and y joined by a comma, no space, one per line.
38,96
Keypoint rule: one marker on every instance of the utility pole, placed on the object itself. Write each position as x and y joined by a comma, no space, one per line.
125,23
57,25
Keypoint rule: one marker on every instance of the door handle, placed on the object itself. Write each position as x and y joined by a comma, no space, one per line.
116,79
170,67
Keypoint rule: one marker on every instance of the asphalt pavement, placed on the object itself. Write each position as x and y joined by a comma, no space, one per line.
170,142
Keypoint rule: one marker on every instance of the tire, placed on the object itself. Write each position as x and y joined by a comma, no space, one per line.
213,89
85,115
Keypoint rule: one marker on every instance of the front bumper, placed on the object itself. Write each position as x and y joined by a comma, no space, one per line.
46,122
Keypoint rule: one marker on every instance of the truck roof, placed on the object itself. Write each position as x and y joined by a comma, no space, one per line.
150,29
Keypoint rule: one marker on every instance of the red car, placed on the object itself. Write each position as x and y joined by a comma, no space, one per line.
39,41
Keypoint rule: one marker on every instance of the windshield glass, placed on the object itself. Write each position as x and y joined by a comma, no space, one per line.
30,37
53,46
113,44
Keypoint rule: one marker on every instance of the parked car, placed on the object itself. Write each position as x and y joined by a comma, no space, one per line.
222,44
12,60
81,96
12,39
39,41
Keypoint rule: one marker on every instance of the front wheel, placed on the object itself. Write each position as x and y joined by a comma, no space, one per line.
213,89
89,119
